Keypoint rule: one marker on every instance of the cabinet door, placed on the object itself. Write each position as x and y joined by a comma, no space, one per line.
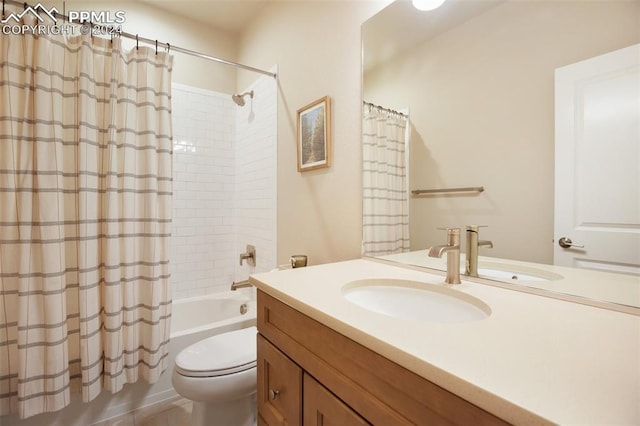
279,387
322,408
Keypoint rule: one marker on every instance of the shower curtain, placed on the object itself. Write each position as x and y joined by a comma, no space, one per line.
385,208
85,214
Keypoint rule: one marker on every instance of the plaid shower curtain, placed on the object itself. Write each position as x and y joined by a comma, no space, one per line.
385,200
85,215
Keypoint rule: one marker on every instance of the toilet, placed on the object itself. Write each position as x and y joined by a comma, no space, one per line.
219,375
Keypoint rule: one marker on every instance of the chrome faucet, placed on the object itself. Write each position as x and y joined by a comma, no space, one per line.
452,248
471,262
249,256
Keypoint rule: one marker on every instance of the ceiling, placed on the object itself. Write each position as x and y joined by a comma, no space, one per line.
228,15
380,31
385,34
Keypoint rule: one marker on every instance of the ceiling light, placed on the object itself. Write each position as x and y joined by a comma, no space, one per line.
427,4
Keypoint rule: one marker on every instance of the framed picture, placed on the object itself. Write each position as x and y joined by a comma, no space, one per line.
314,135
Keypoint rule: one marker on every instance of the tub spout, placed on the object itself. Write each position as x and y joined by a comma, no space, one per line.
240,284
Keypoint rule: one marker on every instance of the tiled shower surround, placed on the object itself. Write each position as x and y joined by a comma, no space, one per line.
223,186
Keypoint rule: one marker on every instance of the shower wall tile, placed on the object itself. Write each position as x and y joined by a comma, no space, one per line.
224,183
203,179
255,176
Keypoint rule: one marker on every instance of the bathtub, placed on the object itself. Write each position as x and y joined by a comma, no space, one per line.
196,318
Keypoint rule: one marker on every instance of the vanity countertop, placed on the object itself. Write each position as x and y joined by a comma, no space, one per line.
534,360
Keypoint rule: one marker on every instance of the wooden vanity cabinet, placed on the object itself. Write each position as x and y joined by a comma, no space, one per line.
288,396
309,374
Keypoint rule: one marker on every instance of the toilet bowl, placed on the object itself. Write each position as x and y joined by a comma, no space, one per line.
219,375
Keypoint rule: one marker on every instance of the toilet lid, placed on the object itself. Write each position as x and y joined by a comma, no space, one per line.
219,355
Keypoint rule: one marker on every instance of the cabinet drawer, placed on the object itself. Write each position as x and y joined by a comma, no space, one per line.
279,387
322,408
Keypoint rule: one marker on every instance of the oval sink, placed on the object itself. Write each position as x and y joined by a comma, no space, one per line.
415,300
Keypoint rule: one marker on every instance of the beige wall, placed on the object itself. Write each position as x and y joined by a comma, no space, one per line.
317,48
154,23
481,101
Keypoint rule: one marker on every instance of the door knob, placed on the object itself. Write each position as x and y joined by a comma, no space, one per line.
565,242
273,394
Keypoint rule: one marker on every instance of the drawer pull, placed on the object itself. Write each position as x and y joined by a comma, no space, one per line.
273,394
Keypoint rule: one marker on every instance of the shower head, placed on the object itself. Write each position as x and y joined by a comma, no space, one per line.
239,99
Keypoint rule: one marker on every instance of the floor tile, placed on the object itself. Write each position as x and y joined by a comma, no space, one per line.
177,415
123,420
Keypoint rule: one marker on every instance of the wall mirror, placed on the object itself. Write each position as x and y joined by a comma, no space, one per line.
484,85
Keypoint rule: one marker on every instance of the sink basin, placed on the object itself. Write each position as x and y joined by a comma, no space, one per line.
415,300
510,273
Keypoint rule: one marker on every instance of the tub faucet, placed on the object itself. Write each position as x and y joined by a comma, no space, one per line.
471,262
452,248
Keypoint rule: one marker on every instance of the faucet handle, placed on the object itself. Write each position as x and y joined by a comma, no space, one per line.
249,255
476,228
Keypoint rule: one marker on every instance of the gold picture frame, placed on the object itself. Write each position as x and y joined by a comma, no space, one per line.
314,135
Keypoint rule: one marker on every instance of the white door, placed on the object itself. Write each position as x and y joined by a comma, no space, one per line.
597,163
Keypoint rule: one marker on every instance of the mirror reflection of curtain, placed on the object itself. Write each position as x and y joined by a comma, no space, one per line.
385,227
85,215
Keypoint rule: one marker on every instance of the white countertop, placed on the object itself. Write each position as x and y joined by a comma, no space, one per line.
533,360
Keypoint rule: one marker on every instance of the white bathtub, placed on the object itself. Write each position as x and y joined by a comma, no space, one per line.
199,317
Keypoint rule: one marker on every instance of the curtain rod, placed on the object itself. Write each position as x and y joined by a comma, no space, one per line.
392,111
156,43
